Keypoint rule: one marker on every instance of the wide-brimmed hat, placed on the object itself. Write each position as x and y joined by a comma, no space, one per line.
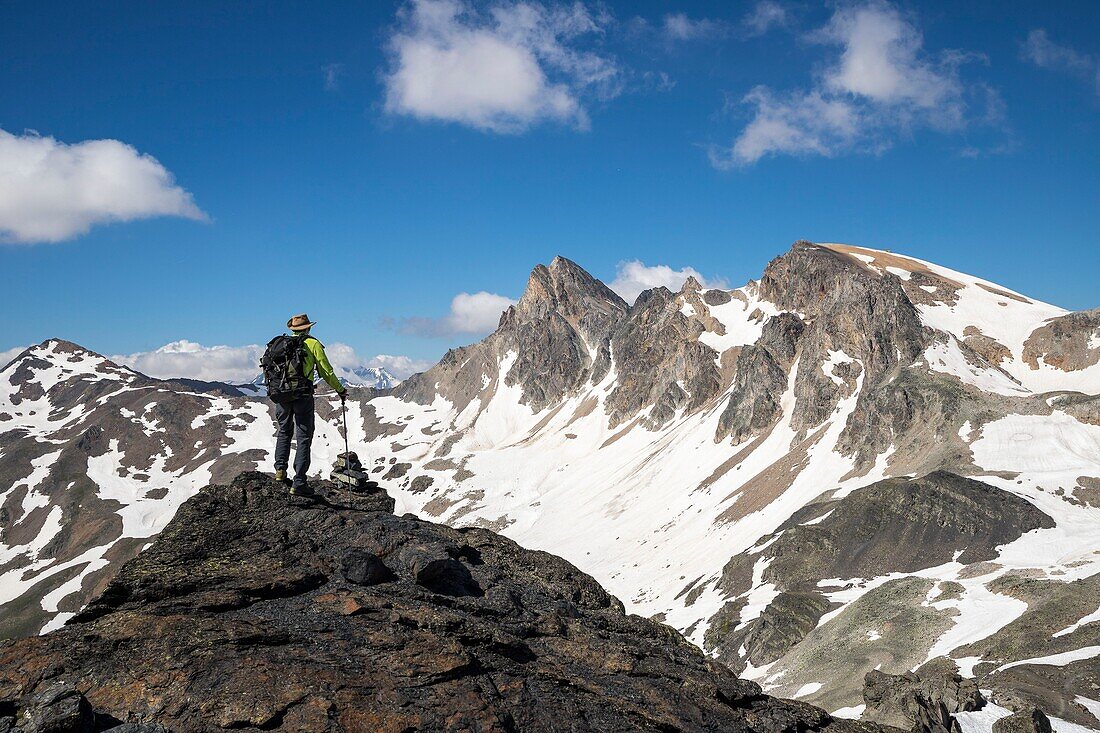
299,322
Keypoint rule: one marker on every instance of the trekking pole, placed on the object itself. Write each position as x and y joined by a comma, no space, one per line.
344,422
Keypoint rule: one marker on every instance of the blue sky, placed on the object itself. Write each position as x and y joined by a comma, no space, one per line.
369,162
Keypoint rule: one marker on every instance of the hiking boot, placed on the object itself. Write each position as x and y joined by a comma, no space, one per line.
281,477
301,490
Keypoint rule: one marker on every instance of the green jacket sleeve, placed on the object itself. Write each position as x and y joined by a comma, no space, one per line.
317,350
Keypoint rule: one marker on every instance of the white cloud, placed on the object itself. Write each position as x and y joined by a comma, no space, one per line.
766,15
634,276
187,359
679,27
51,191
1043,52
799,123
501,70
7,356
241,364
401,367
881,85
883,61
470,313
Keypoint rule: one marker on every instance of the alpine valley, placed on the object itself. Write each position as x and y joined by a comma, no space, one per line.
860,461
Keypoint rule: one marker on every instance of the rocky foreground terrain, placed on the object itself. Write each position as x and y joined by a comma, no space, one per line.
255,610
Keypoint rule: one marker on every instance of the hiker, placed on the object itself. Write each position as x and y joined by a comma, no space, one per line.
289,365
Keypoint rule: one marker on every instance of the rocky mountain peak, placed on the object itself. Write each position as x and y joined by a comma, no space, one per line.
567,289
691,285
42,367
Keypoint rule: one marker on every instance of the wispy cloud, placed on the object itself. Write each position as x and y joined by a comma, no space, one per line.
679,27
764,16
880,85
1043,52
51,191
332,74
500,71
634,276
469,314
240,364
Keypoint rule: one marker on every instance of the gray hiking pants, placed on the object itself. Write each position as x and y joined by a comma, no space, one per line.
294,419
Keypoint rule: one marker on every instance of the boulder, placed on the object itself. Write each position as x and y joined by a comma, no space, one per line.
1032,720
921,701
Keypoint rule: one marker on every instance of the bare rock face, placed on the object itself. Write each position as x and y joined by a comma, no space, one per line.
256,610
564,316
898,525
761,379
1067,343
660,362
845,325
559,334
920,701
851,309
1023,721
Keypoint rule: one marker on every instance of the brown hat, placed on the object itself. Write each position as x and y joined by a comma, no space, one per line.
300,322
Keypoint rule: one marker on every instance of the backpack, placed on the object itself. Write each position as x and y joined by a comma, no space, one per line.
284,369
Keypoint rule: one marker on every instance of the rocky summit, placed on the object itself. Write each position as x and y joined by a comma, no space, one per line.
257,610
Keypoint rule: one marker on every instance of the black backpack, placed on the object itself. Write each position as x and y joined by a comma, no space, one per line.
284,369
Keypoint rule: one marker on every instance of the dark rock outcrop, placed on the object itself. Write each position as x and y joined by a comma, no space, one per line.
897,525
256,610
921,701
1065,343
761,378
1023,721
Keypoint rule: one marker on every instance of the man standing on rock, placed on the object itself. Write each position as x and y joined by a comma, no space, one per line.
289,365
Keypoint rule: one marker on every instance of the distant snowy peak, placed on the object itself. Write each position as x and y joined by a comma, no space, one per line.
373,377
360,376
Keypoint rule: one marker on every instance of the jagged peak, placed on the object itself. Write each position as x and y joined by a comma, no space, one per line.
565,283
691,285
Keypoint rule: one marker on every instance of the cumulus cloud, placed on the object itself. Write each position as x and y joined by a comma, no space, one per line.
241,364
1045,53
795,123
187,359
470,313
766,15
881,84
401,367
500,70
679,27
634,276
51,191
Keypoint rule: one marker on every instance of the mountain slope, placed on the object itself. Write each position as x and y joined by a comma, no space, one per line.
674,448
